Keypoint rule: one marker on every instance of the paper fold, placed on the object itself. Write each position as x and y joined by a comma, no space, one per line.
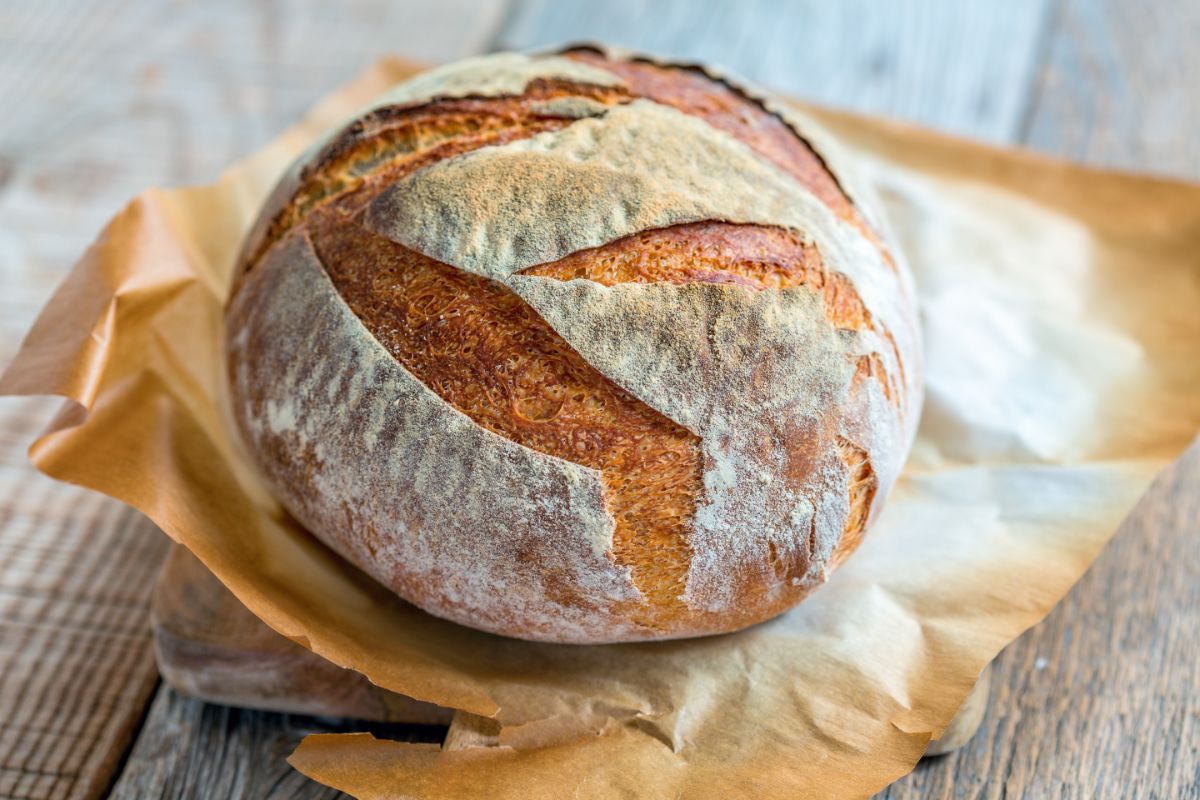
1063,351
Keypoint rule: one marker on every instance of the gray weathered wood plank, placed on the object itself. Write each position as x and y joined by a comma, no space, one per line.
1102,700
1121,86
1099,695
191,749
101,100
209,646
961,67
104,99
76,662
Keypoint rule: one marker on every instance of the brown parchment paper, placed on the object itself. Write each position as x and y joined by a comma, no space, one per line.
1061,310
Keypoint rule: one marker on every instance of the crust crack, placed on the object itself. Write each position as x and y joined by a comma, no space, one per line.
861,494
490,355
398,139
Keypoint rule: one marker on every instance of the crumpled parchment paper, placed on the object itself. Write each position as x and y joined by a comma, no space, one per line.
1061,313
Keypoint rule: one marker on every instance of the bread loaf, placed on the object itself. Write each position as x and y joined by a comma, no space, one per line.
577,348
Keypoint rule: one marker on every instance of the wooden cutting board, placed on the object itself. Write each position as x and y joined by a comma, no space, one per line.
209,646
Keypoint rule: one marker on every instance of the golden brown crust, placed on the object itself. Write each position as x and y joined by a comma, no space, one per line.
490,355
487,353
401,139
753,256
723,107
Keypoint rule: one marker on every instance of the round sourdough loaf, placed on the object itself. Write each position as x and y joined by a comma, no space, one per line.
582,347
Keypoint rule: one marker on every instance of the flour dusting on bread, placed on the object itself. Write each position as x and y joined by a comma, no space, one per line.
461,504
802,422
491,76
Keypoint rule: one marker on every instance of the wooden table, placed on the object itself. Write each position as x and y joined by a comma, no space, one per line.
103,99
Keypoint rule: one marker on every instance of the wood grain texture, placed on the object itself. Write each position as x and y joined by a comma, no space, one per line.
209,646
1102,700
1119,86
192,749
961,67
103,99
76,666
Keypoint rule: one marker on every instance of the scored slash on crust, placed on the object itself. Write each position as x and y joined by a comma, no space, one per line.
738,388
